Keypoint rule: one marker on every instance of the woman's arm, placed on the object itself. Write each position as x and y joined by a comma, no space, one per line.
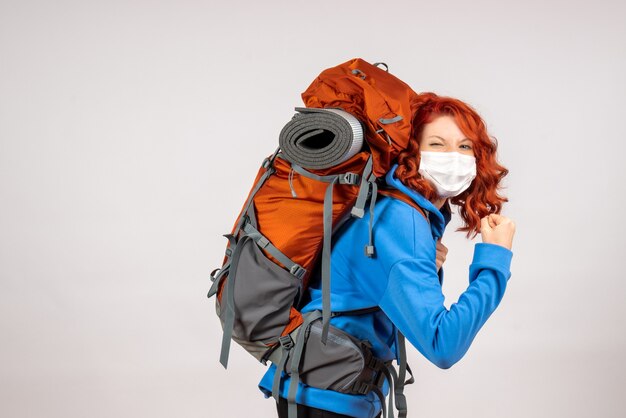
402,279
413,301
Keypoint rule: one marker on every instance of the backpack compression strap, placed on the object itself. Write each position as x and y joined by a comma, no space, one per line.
368,181
397,194
295,362
401,403
345,178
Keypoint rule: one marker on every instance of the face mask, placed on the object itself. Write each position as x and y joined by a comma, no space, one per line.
450,172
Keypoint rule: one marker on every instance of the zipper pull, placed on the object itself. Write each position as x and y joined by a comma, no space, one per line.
290,177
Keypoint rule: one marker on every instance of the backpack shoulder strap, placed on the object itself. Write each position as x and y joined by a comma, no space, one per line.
403,197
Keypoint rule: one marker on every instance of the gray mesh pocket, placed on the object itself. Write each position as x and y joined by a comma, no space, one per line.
336,365
263,293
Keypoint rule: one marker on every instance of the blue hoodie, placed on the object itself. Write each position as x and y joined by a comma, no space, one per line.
402,279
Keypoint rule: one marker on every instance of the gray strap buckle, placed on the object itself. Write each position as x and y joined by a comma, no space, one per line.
263,242
298,271
349,178
286,342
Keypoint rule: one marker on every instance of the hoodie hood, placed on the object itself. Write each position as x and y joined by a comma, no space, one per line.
439,219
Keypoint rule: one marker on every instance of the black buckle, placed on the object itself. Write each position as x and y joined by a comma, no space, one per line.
362,388
374,363
373,376
379,380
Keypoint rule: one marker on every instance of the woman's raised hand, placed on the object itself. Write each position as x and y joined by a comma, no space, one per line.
497,229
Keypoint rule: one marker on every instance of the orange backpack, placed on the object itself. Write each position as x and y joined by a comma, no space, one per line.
285,227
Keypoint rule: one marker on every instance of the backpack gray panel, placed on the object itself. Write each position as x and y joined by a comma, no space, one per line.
334,366
266,292
257,348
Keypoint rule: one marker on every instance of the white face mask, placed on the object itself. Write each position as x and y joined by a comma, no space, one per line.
450,172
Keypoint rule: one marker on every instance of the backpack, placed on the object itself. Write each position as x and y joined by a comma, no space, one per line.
281,238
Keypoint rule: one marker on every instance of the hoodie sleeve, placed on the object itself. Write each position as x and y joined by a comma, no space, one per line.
413,300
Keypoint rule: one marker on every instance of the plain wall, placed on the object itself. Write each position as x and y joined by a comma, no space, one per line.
130,134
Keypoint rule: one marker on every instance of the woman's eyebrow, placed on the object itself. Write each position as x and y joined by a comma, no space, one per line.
443,139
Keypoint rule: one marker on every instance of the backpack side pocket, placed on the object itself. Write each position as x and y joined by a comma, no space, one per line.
264,294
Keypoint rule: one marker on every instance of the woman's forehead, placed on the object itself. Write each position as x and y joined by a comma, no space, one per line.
443,127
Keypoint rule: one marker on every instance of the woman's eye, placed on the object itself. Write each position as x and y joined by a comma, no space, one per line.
434,143
466,146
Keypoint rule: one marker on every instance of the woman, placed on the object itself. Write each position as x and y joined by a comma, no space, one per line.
450,159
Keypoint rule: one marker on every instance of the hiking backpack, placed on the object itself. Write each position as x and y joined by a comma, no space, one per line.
282,238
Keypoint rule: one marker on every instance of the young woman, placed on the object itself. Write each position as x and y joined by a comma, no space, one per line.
450,160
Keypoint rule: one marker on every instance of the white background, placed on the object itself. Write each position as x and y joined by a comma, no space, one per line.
130,133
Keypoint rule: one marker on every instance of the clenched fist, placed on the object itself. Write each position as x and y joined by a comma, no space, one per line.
497,229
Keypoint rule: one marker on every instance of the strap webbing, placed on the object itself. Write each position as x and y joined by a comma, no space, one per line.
295,362
229,320
392,378
369,248
399,387
218,279
232,243
285,348
404,366
359,207
278,374
326,257
270,161
295,268
396,383
344,178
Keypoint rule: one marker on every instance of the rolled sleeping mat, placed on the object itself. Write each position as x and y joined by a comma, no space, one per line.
321,138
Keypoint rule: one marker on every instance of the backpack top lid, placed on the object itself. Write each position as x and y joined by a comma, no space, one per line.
383,102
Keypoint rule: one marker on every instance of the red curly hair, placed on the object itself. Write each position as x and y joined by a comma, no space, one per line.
482,197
